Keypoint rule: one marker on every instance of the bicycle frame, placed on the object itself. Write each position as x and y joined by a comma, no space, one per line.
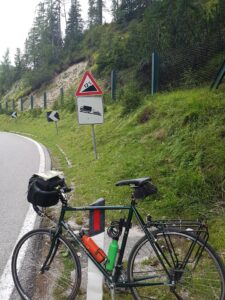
114,278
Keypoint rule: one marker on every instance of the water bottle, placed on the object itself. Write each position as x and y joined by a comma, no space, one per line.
93,248
112,253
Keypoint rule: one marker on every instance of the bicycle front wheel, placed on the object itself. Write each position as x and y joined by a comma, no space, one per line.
61,280
203,277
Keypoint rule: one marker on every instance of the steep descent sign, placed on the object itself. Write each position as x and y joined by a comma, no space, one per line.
88,86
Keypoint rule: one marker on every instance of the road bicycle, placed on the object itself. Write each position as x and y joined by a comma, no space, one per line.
172,260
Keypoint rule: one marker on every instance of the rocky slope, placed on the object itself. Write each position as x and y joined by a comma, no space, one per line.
67,79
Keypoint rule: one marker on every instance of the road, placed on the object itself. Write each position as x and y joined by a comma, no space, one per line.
20,157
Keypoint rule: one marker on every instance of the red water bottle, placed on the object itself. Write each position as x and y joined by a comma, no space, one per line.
93,248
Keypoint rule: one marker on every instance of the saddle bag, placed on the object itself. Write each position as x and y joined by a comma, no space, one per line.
44,192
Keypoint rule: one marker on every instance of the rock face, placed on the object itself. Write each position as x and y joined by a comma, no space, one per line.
64,80
45,97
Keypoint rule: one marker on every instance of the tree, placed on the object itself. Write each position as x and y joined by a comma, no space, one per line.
99,12
54,28
130,9
114,9
74,27
92,12
6,74
95,12
18,61
43,47
37,41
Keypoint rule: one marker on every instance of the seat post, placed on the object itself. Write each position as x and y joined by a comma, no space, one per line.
133,199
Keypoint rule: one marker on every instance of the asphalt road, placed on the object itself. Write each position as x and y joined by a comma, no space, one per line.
19,159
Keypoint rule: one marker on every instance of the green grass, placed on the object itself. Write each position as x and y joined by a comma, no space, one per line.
177,138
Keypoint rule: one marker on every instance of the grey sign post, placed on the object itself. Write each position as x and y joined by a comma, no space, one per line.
31,102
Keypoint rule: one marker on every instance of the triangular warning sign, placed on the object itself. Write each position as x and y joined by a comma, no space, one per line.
88,86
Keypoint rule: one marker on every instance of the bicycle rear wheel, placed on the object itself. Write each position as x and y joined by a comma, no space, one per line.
202,279
60,281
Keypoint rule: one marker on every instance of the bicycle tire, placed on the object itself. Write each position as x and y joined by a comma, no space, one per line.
201,280
62,280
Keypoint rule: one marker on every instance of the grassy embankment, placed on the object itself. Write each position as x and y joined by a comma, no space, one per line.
176,138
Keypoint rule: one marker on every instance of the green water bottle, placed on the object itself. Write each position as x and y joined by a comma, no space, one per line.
112,253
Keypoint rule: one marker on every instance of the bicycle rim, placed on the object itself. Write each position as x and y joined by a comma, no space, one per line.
202,279
61,281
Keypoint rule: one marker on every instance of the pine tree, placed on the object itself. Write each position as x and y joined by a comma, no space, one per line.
95,12
74,27
6,74
114,9
99,12
37,41
18,61
92,13
130,9
54,29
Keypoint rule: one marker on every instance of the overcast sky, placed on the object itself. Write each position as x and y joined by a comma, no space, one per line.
16,19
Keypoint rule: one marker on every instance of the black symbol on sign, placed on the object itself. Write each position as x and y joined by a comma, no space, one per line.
89,87
89,110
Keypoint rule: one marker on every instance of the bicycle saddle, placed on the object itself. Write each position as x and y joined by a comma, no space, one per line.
142,187
138,182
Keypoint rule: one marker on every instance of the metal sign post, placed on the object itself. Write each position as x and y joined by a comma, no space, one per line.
56,126
94,141
155,72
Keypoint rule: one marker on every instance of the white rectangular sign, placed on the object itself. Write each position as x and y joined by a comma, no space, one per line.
90,110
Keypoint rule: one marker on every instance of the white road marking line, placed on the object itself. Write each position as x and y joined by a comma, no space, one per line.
6,281
64,154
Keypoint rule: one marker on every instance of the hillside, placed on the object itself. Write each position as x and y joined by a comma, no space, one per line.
64,80
177,138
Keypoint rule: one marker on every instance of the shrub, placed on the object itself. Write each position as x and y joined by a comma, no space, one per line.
145,115
131,98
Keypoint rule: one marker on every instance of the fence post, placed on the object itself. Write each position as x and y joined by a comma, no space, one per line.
13,105
113,84
6,105
45,100
31,102
219,76
0,107
21,104
155,72
61,96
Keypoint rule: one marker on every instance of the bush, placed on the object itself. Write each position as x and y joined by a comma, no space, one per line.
145,115
131,98
36,112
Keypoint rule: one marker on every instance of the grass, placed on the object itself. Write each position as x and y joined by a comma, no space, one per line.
177,138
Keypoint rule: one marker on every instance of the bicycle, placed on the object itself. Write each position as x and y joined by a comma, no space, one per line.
172,260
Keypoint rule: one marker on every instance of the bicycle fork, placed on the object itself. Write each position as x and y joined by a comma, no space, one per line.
52,252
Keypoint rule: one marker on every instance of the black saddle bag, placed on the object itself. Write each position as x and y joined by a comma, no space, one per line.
43,192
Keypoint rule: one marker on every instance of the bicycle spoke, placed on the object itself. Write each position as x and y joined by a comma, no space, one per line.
204,280
60,280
